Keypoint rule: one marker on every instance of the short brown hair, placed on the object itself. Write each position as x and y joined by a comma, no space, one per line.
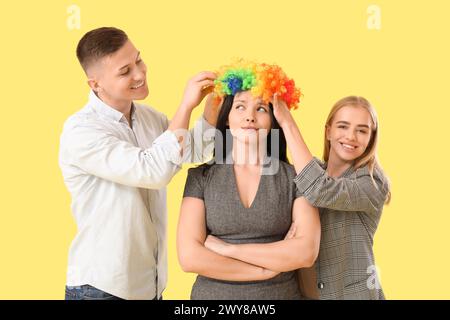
99,43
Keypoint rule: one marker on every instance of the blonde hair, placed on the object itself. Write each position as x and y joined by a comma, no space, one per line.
369,157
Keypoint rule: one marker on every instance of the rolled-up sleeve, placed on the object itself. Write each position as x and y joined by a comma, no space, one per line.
110,158
354,193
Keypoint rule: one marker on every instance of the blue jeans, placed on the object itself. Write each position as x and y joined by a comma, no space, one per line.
87,292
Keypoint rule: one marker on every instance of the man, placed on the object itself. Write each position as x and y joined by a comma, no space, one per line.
116,158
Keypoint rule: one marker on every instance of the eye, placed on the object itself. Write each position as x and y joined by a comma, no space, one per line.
342,127
240,107
125,73
262,109
363,131
138,61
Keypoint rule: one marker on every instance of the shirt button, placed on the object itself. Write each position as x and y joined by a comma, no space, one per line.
321,285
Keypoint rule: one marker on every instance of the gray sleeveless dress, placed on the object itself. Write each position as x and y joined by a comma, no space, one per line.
268,219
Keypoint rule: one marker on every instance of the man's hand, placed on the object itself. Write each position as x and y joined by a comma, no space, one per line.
212,108
197,88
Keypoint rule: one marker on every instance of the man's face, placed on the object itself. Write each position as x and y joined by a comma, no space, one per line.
121,77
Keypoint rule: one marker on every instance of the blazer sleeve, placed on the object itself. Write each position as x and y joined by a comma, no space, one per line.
355,193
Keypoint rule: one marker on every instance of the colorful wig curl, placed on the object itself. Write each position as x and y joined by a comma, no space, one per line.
264,80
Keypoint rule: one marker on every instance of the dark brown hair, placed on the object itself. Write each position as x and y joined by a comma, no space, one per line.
99,43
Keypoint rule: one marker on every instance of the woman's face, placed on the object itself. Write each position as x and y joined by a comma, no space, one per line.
349,133
249,118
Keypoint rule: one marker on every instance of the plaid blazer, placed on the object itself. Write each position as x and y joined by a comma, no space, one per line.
350,209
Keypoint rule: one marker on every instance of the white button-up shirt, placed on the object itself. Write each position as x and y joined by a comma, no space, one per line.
116,176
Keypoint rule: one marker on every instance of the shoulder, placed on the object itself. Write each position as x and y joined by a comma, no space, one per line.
378,178
206,171
85,119
282,172
214,176
196,171
285,169
364,172
198,180
148,112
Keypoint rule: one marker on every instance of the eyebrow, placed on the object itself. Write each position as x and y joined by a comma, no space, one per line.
259,102
359,125
129,64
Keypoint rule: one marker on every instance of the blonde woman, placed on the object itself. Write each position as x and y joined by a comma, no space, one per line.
350,190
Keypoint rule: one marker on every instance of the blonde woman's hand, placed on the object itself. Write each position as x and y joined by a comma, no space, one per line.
281,111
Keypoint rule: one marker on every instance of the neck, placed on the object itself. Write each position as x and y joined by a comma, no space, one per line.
336,166
123,106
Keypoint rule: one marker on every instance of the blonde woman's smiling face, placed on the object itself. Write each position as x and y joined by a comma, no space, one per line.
349,133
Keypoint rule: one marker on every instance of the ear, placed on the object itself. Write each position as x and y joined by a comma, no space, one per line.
93,84
327,132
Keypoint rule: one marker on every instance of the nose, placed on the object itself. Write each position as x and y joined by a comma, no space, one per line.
250,116
138,76
350,135
140,73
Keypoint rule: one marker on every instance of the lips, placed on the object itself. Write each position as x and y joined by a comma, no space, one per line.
138,85
348,147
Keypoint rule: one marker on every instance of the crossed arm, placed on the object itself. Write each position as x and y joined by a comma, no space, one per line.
196,258
246,262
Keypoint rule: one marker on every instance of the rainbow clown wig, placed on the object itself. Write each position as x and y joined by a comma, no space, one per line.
264,80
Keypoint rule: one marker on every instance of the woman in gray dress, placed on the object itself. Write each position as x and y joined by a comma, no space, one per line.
254,200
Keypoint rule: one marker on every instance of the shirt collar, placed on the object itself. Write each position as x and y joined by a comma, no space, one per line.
133,111
108,111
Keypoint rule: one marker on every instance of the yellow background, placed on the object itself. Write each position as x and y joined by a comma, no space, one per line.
326,46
